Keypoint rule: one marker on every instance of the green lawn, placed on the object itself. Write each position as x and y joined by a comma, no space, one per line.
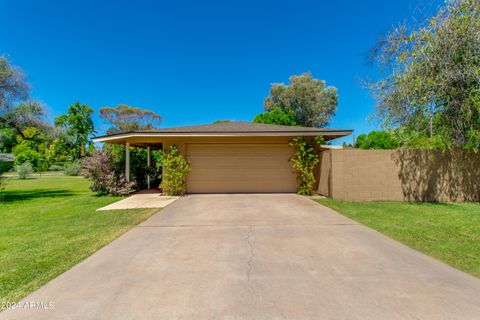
48,225
447,231
13,174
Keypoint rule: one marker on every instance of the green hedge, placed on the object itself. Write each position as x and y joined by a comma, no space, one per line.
5,166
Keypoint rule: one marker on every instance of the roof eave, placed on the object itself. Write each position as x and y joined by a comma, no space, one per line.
336,133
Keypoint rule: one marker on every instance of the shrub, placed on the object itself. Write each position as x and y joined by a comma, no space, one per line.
100,169
304,160
55,167
175,169
5,166
41,166
24,170
73,169
30,156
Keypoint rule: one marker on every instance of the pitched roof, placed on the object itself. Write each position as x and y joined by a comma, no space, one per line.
236,128
242,126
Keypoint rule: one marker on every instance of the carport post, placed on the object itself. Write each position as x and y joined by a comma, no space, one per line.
127,161
148,166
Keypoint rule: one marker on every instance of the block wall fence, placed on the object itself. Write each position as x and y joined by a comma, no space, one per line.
399,175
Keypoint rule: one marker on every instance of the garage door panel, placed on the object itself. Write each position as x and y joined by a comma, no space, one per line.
246,177
240,168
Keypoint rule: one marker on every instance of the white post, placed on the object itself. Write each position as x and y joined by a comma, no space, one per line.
148,165
127,161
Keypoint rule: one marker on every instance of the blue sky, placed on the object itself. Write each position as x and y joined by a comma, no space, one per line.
195,62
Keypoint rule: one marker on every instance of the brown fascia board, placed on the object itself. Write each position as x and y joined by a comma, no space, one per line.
337,133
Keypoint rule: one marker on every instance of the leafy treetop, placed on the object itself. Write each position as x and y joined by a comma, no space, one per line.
432,77
78,125
277,116
124,118
13,88
17,111
377,140
312,102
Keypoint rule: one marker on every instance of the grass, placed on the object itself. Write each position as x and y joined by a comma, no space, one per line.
13,174
48,225
447,231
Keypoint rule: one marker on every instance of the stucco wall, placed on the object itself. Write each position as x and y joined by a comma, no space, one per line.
400,175
324,181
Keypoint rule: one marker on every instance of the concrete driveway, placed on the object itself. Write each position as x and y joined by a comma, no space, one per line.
255,257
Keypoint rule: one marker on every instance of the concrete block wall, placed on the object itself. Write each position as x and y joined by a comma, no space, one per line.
399,175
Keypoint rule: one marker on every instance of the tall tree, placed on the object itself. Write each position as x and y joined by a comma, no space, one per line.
124,118
16,109
13,87
431,77
312,102
78,125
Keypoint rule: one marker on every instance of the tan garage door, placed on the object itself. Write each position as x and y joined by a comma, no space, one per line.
219,168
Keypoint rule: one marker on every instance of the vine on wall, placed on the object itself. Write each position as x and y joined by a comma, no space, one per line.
304,161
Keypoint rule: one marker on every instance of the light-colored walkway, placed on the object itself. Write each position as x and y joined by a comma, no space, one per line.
141,200
256,257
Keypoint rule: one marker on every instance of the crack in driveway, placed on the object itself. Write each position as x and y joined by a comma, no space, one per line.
251,245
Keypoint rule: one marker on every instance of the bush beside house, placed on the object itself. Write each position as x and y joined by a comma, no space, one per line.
175,170
305,159
100,169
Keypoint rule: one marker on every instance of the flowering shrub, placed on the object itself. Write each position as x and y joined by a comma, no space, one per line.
175,169
100,169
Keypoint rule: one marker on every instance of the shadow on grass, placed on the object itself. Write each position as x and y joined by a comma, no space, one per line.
16,196
436,204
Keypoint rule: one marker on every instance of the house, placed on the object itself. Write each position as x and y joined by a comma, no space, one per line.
230,156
